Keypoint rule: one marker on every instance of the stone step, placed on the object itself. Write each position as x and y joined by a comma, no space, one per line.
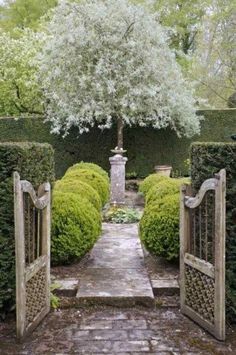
115,273
66,288
165,287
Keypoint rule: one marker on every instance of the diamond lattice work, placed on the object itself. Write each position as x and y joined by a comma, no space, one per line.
35,295
199,293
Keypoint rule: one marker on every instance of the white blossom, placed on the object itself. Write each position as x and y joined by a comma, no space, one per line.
105,59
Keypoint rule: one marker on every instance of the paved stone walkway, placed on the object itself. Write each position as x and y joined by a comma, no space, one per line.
115,272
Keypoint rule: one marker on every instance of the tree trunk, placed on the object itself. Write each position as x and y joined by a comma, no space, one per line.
120,127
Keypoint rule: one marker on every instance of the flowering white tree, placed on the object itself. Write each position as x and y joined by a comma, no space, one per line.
108,61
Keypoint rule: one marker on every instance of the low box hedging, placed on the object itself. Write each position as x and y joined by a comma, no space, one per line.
159,225
163,188
150,181
206,160
94,179
90,166
77,201
34,162
76,225
81,189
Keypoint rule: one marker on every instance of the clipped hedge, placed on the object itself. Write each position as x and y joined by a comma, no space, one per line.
146,146
77,201
81,189
76,225
34,162
163,188
207,159
94,179
159,227
90,166
150,181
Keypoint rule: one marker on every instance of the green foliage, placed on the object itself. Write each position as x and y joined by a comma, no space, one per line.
150,181
23,13
131,175
94,179
89,166
206,160
20,93
122,215
34,162
76,225
163,188
81,189
54,300
159,227
146,147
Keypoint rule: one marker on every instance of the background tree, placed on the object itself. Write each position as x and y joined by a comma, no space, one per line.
21,14
108,61
214,61
20,93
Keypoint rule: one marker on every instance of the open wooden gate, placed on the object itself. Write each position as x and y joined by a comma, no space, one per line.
202,254
32,247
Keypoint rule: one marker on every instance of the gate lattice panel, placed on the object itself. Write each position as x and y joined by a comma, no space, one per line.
32,246
202,254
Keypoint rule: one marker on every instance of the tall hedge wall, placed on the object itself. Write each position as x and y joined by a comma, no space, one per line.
146,147
34,162
207,159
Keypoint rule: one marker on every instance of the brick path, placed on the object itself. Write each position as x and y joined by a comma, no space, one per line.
113,331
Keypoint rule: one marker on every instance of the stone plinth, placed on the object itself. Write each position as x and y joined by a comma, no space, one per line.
117,179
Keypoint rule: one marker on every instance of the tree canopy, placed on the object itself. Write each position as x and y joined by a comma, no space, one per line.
108,61
20,93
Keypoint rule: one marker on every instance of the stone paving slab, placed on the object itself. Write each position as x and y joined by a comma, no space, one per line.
115,272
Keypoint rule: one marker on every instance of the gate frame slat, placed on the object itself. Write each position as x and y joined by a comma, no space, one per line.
24,273
218,184
20,256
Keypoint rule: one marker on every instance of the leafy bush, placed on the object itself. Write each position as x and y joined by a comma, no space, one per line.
98,182
89,166
76,225
206,160
122,215
159,227
163,188
34,162
150,181
81,189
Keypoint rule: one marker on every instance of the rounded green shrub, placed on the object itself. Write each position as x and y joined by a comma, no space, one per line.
92,178
164,188
76,225
90,166
159,227
150,181
81,189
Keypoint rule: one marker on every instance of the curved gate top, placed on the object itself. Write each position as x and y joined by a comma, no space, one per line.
32,249
202,254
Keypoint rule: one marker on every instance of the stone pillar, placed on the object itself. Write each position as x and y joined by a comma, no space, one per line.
117,193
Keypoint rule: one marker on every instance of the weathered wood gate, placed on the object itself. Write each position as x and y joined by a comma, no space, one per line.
202,254
32,247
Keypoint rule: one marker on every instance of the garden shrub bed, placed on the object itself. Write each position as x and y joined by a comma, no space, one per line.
77,202
159,225
206,160
80,188
34,162
94,179
76,225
